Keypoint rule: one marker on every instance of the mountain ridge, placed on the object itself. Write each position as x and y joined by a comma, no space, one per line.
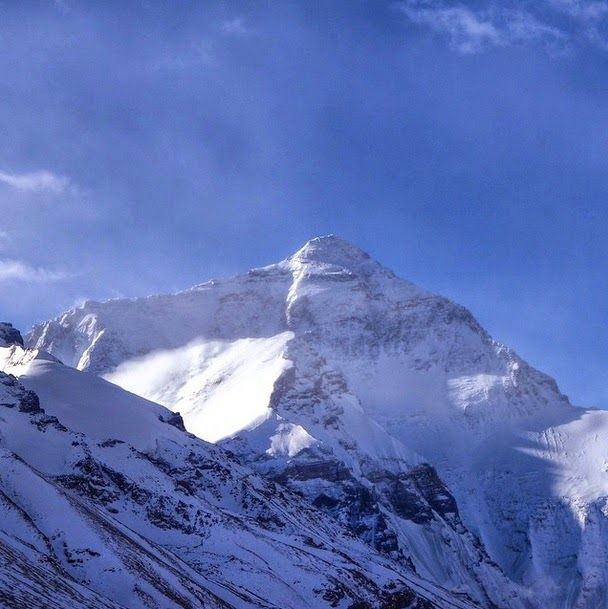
387,406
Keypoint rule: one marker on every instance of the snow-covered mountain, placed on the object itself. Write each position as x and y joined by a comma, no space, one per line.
385,406
106,502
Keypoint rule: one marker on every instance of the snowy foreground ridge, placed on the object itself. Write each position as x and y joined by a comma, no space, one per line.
107,502
402,457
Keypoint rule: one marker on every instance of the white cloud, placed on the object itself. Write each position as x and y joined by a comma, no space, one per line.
473,30
467,31
37,181
15,270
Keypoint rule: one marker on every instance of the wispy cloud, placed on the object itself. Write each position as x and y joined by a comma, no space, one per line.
37,181
581,9
236,27
204,51
15,270
589,18
474,29
468,32
198,53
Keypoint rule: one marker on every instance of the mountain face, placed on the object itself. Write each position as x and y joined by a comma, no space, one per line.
108,503
386,407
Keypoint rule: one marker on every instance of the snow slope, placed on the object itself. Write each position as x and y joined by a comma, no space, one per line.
201,377
106,502
388,407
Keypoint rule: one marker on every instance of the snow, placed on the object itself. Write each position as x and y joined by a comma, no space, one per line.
85,402
328,354
219,387
152,516
289,440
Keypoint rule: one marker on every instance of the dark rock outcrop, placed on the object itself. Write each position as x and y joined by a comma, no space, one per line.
9,335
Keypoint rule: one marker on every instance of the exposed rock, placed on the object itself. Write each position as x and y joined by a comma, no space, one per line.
9,335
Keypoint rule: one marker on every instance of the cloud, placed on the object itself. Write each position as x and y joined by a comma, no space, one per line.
196,54
62,6
37,181
15,270
203,51
235,27
467,31
473,30
589,19
589,11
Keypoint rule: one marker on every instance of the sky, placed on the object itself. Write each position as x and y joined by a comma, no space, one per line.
149,146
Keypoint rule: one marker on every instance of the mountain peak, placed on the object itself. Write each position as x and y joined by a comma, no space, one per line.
331,249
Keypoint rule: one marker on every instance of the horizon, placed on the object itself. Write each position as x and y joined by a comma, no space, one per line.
151,147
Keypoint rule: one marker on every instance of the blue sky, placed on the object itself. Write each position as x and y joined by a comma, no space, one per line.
147,146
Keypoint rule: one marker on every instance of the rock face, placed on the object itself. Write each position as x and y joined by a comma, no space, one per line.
9,335
385,406
106,503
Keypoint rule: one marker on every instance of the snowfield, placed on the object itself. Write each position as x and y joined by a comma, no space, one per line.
220,387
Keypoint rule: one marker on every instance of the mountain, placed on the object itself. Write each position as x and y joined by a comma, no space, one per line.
107,502
386,407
